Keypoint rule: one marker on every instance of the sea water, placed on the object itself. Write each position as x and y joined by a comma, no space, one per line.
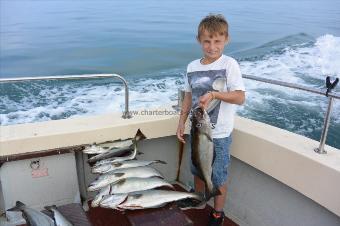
151,42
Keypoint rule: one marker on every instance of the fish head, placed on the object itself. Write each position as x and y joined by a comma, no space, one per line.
101,168
97,184
112,201
200,117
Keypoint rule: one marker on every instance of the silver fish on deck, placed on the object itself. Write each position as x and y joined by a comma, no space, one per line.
133,184
109,154
104,168
154,199
59,219
203,149
95,149
33,217
128,185
132,155
112,177
109,146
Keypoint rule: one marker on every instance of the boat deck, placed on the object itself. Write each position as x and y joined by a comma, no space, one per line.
108,217
167,215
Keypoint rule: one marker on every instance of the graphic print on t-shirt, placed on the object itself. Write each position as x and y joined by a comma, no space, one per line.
201,82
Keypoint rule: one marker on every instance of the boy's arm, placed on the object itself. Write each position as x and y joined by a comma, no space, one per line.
232,97
186,106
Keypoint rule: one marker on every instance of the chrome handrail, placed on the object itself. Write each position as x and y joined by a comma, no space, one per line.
126,113
291,85
330,96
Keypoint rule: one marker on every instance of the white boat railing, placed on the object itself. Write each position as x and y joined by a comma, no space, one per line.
126,113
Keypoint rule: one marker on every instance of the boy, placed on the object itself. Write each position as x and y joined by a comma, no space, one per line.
202,85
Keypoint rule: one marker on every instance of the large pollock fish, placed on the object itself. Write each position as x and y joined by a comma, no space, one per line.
203,149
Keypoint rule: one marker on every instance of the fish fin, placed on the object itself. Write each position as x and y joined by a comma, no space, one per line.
213,193
139,135
18,206
170,186
50,207
50,211
208,136
91,160
140,153
160,161
212,105
157,177
120,182
117,164
118,174
137,196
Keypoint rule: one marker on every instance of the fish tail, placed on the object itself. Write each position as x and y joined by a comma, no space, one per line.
160,161
139,135
50,207
214,192
18,206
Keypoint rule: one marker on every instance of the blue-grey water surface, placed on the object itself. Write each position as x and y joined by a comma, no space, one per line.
151,42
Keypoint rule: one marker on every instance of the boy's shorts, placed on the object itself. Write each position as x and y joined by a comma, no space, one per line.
220,163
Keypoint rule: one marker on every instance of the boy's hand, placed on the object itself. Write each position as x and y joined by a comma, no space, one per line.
180,132
205,100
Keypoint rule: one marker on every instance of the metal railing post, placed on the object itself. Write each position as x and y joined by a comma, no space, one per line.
323,138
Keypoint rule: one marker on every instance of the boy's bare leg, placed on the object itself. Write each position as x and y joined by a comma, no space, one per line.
220,199
199,184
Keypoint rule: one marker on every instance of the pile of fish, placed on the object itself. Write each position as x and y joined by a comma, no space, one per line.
36,218
126,183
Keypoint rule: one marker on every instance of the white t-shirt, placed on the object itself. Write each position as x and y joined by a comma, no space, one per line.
223,75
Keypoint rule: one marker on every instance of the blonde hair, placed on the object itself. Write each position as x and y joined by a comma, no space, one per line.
214,24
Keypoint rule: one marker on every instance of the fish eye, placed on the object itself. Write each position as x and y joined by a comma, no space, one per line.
199,125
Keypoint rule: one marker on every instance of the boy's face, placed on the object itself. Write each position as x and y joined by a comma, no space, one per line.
212,45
